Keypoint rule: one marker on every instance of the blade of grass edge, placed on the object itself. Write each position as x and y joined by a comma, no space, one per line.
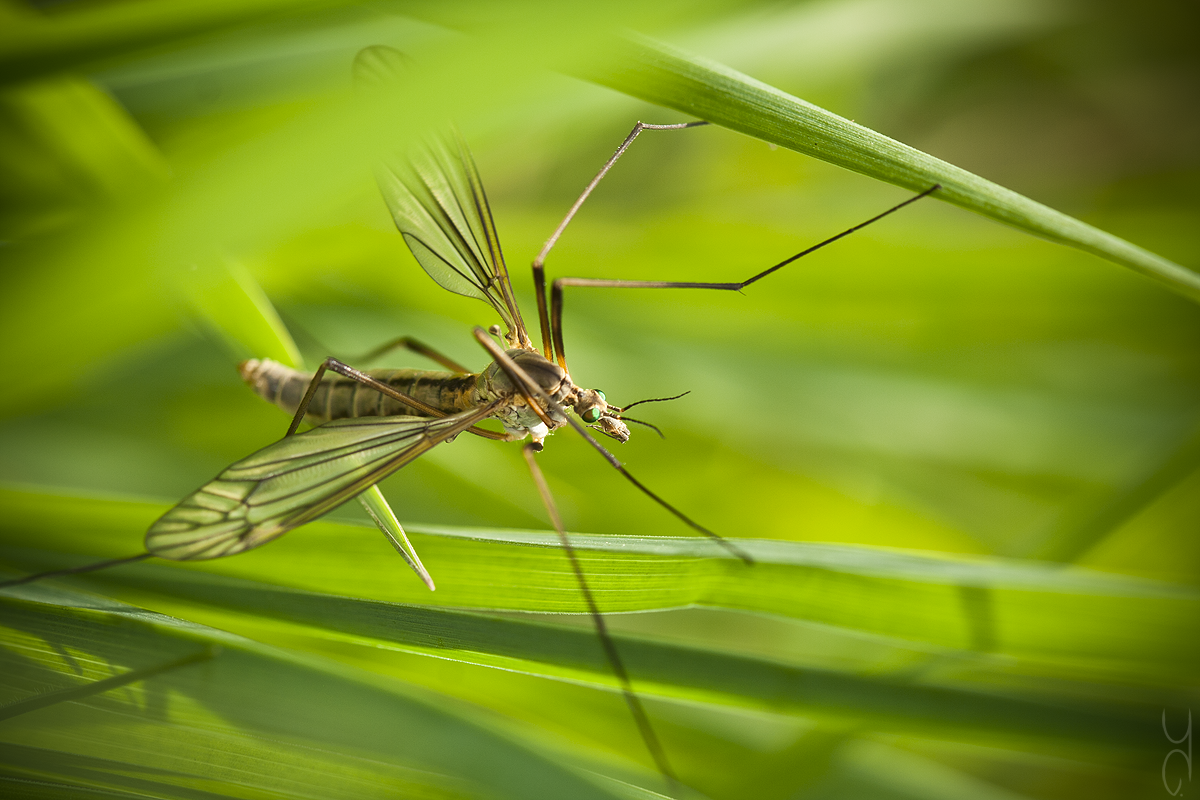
254,687
998,605
906,701
658,73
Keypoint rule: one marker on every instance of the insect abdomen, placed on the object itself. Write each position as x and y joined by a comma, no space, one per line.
339,398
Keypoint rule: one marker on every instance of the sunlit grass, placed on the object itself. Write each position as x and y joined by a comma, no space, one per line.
918,424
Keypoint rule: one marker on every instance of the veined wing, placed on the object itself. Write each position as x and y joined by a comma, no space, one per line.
294,481
439,205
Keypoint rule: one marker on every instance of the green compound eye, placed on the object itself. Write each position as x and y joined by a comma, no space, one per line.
594,413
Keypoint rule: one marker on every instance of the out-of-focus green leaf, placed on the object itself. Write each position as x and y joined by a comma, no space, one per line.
33,42
691,673
988,605
934,383
1075,536
66,147
210,709
228,299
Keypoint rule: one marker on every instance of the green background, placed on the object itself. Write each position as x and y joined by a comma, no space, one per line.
1021,413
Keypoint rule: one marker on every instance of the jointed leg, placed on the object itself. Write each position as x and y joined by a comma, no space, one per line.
556,291
530,390
409,343
376,507
610,648
539,272
54,573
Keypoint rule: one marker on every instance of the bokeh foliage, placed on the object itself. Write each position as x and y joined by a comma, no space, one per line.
970,455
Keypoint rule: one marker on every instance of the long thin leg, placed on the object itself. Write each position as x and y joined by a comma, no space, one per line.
54,573
47,699
531,389
347,371
406,342
539,288
409,343
610,647
539,272
556,290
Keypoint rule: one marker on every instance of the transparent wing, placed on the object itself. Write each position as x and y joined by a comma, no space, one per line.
294,481
439,205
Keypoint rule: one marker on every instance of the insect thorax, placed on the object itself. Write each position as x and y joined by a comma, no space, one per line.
516,416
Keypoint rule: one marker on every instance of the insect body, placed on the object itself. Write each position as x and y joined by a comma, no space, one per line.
447,392
368,434
370,424
438,203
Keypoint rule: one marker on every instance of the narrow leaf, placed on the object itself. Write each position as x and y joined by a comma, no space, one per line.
661,74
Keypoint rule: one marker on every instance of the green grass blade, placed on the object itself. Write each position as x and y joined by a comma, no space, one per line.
964,603
694,673
1075,536
708,90
225,296
381,514
33,43
207,705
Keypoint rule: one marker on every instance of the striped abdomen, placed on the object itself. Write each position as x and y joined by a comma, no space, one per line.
338,397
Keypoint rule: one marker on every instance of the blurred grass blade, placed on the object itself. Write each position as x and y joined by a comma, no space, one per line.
68,147
880,770
47,699
906,702
638,66
36,41
951,410
1076,536
967,603
708,90
310,727
230,302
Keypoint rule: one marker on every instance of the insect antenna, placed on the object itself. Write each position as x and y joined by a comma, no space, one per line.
54,573
623,409
645,424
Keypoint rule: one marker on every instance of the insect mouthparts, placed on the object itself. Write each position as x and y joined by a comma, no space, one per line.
614,428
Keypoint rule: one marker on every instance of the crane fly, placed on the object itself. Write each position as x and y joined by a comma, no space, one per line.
370,424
